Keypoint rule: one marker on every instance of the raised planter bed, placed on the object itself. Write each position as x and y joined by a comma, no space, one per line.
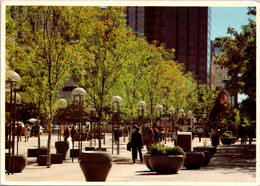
19,163
56,158
194,160
74,153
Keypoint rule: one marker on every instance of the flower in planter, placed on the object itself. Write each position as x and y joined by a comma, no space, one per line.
161,150
226,135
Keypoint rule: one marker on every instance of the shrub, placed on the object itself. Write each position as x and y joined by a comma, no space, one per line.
161,150
226,135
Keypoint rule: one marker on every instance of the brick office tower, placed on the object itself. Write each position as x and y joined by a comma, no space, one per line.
187,29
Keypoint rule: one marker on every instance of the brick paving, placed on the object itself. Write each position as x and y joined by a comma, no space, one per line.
232,164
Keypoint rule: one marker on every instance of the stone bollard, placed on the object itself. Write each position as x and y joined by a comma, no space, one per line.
184,140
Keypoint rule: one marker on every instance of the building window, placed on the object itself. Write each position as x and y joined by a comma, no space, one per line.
201,60
202,74
191,51
202,67
191,66
191,58
202,52
131,23
180,49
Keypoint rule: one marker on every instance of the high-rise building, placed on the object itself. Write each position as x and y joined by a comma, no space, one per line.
187,29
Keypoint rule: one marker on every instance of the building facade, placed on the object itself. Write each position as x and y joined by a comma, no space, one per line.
186,29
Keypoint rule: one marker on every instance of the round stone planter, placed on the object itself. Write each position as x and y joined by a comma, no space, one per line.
234,140
146,158
166,164
226,141
211,149
62,147
194,160
95,165
19,163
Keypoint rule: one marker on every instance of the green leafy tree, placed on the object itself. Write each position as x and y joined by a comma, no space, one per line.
207,98
239,57
103,55
42,51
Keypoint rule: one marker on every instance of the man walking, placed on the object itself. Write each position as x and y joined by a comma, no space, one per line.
200,131
137,144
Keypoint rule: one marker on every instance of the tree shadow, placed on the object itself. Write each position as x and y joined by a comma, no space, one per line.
234,158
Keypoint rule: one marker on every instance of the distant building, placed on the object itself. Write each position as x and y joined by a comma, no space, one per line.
187,29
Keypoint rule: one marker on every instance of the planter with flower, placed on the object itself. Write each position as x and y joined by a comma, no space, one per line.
166,159
226,138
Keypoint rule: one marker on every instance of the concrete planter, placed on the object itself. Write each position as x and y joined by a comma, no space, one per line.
19,162
167,164
226,141
211,149
74,153
194,160
62,147
32,152
146,158
95,165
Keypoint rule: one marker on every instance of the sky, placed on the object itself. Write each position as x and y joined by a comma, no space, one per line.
224,17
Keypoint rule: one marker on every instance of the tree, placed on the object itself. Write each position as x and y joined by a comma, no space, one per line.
207,98
103,55
43,51
239,57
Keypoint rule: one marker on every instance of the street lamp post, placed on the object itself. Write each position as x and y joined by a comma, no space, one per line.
18,101
92,115
182,119
116,101
141,106
171,110
12,82
159,109
78,97
62,105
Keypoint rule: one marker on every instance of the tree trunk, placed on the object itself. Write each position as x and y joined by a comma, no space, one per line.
49,135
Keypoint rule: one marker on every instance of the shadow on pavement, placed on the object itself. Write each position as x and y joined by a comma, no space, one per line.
234,158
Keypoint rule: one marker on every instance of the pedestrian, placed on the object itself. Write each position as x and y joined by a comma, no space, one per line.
34,129
200,131
66,133
132,130
251,134
137,144
214,137
27,132
148,139
116,134
156,138
19,132
73,133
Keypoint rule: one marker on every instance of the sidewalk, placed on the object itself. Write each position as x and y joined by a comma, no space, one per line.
231,163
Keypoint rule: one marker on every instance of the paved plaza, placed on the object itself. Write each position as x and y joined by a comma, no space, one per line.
231,164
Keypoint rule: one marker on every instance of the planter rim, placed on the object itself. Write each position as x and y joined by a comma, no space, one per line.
95,156
167,155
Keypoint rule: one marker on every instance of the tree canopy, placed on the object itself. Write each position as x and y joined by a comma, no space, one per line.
239,57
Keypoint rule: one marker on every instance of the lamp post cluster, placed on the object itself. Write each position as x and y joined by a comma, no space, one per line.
116,102
78,96
62,105
12,84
